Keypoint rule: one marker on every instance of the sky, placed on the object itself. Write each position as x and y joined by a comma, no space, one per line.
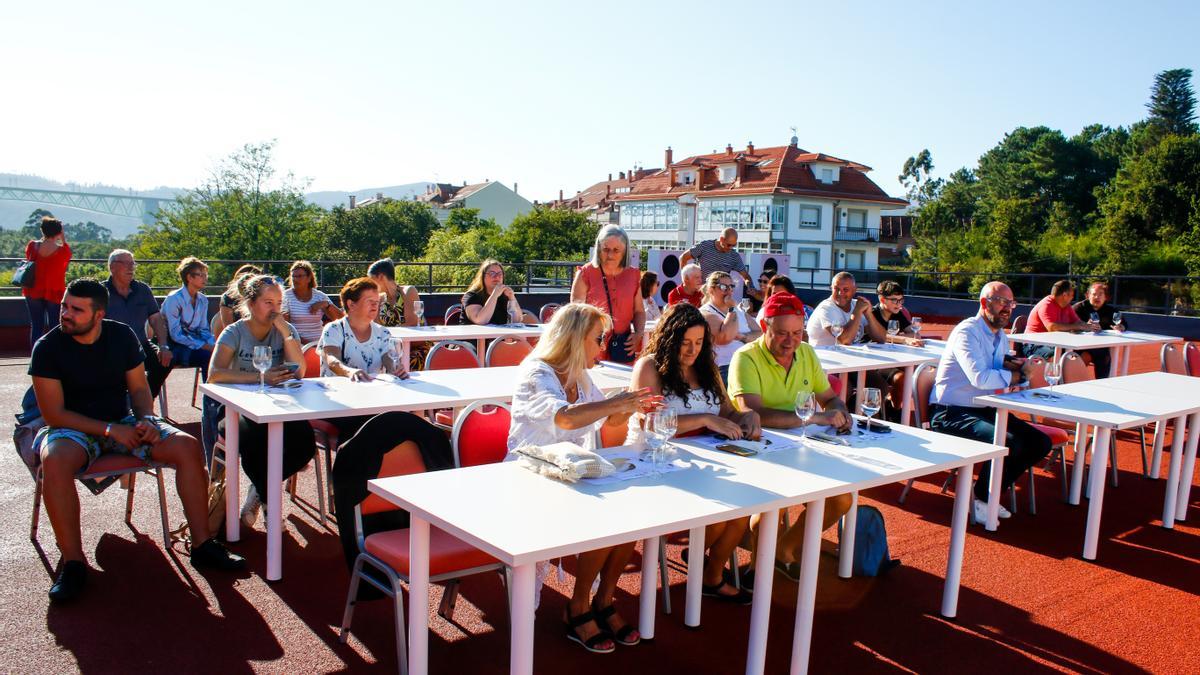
556,95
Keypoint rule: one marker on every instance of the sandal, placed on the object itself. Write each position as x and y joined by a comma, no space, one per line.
789,570
621,636
742,597
592,644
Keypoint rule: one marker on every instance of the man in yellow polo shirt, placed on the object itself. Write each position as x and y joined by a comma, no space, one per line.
765,376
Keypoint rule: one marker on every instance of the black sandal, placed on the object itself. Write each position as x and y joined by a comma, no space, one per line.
742,597
593,643
618,636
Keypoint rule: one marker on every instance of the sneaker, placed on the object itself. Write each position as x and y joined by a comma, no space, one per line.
70,582
213,555
251,507
980,511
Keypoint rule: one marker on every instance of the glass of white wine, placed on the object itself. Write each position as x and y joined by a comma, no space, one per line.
419,310
872,404
836,330
893,328
806,407
261,360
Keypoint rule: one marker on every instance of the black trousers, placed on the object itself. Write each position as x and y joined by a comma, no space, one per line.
156,372
1026,445
359,459
299,446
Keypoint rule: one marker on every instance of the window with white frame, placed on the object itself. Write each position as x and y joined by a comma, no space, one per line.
810,216
650,215
687,177
751,213
808,258
826,175
856,219
854,260
728,174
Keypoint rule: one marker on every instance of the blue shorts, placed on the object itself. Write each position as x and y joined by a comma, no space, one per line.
95,446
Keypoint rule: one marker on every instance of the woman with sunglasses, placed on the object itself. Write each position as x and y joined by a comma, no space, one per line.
728,323
488,300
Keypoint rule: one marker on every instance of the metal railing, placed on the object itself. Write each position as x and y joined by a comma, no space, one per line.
856,234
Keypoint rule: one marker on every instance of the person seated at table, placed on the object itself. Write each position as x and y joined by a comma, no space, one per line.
691,290
844,309
100,409
488,300
766,376
231,299
649,288
776,284
232,363
304,305
555,401
730,326
1053,313
189,336
976,363
1096,302
891,308
679,364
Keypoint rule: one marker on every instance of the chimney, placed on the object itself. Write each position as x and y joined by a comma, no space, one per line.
560,195
379,196
464,183
729,149
608,189
750,147
667,160
515,188
353,201
610,177
621,174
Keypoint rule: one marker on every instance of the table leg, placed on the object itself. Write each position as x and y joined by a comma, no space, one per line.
520,661
233,474
1097,478
806,597
418,596
958,536
649,587
1114,360
764,577
862,385
1173,472
1160,433
1081,438
1125,361
906,400
999,438
274,515
846,541
695,577
1189,468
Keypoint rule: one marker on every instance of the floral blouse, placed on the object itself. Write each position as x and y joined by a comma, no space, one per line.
367,356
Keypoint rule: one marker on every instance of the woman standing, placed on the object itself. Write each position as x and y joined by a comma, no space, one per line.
488,300
729,325
679,365
397,307
304,305
609,283
50,254
649,288
555,401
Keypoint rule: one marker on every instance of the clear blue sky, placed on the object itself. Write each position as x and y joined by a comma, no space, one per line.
556,95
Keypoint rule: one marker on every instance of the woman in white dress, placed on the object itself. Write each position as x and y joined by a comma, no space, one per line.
556,401
649,287
679,365
730,326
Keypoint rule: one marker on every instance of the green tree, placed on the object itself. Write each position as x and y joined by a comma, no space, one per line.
464,219
1013,228
35,218
396,228
1172,103
548,234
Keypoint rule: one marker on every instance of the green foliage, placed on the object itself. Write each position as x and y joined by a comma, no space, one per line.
471,247
1172,103
393,228
548,234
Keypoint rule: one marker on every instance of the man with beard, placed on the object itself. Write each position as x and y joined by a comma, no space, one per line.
87,372
976,363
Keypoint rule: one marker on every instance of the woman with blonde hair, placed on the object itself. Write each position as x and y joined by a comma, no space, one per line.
488,300
556,401
304,305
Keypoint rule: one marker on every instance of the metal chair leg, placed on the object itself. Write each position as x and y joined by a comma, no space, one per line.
162,507
1032,495
317,470
449,598
130,487
1012,497
401,642
663,575
351,599
37,506
1145,461
1062,465
904,493
1112,457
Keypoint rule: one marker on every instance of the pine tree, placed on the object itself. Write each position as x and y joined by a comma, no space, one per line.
1172,103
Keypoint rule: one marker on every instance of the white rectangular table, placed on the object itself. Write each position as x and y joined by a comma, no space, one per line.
1118,343
480,334
328,397
1107,405
874,356
489,507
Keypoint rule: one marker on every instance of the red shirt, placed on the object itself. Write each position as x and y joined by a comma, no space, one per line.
624,288
50,273
678,295
1047,312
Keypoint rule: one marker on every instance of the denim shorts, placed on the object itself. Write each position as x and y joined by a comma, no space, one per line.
95,446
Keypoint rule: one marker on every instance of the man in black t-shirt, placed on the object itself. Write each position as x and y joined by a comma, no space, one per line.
86,373
1096,302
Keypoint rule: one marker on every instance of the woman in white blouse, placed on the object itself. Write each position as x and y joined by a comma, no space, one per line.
730,326
556,401
679,364
304,305
649,287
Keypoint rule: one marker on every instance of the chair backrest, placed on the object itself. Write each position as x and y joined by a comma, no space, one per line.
451,354
835,383
922,388
216,325
454,316
547,311
1037,372
399,461
452,310
506,352
1073,369
1191,355
1172,360
528,317
480,433
1019,322
612,437
907,314
312,360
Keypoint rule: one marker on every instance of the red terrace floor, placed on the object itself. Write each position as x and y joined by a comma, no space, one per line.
1029,603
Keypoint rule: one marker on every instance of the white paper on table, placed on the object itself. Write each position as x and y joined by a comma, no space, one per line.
388,378
641,467
777,442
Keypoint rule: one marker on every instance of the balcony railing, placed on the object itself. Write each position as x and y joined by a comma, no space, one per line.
856,234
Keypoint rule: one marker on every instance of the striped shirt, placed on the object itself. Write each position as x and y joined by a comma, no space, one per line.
711,259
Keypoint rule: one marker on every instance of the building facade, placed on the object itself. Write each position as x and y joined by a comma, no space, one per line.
493,199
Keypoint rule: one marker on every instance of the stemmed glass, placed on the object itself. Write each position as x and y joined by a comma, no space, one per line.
836,330
916,326
514,317
745,305
1116,319
654,440
419,310
872,403
261,360
806,407
893,328
395,348
666,424
1053,374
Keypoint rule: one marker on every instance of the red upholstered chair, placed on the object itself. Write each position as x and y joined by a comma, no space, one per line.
1191,354
452,313
1018,325
1172,360
450,355
480,434
450,558
547,311
506,352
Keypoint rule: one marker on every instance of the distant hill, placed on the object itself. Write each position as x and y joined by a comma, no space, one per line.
331,198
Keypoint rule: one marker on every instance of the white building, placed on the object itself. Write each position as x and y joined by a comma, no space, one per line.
821,210
493,199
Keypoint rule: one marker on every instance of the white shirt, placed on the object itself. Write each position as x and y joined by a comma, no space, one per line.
187,318
538,398
972,364
366,356
653,312
699,402
724,353
828,314
301,316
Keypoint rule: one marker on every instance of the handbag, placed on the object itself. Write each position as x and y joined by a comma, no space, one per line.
617,351
24,276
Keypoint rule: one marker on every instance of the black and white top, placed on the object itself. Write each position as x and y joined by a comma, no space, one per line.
366,356
710,259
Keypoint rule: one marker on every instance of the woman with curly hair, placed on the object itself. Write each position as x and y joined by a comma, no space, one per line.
679,364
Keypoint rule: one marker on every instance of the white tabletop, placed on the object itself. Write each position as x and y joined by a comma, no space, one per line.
460,332
875,356
324,397
1114,403
520,517
1097,340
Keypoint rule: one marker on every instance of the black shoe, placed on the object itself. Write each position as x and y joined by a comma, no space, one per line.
72,577
742,597
213,555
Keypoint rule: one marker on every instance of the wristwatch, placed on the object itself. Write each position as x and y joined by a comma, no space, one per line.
108,430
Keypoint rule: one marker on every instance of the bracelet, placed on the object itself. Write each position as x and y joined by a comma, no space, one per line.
108,430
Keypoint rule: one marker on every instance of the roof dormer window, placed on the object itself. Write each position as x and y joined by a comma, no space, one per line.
827,176
687,178
728,174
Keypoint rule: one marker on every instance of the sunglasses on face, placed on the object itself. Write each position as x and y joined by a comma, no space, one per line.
724,287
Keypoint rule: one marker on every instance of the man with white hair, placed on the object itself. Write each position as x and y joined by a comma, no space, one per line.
718,255
132,303
692,290
976,363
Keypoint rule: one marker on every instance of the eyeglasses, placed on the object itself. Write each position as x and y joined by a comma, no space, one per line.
724,287
495,273
600,339
899,300
1003,302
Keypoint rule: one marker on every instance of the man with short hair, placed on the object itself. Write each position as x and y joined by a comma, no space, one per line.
1096,303
87,373
718,255
132,303
844,311
976,363
766,376
186,308
692,289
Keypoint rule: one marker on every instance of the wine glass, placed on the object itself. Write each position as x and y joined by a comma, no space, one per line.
745,305
1053,373
419,310
395,349
806,407
872,403
666,426
261,360
893,328
1116,319
836,330
1094,318
654,440
514,317
916,326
